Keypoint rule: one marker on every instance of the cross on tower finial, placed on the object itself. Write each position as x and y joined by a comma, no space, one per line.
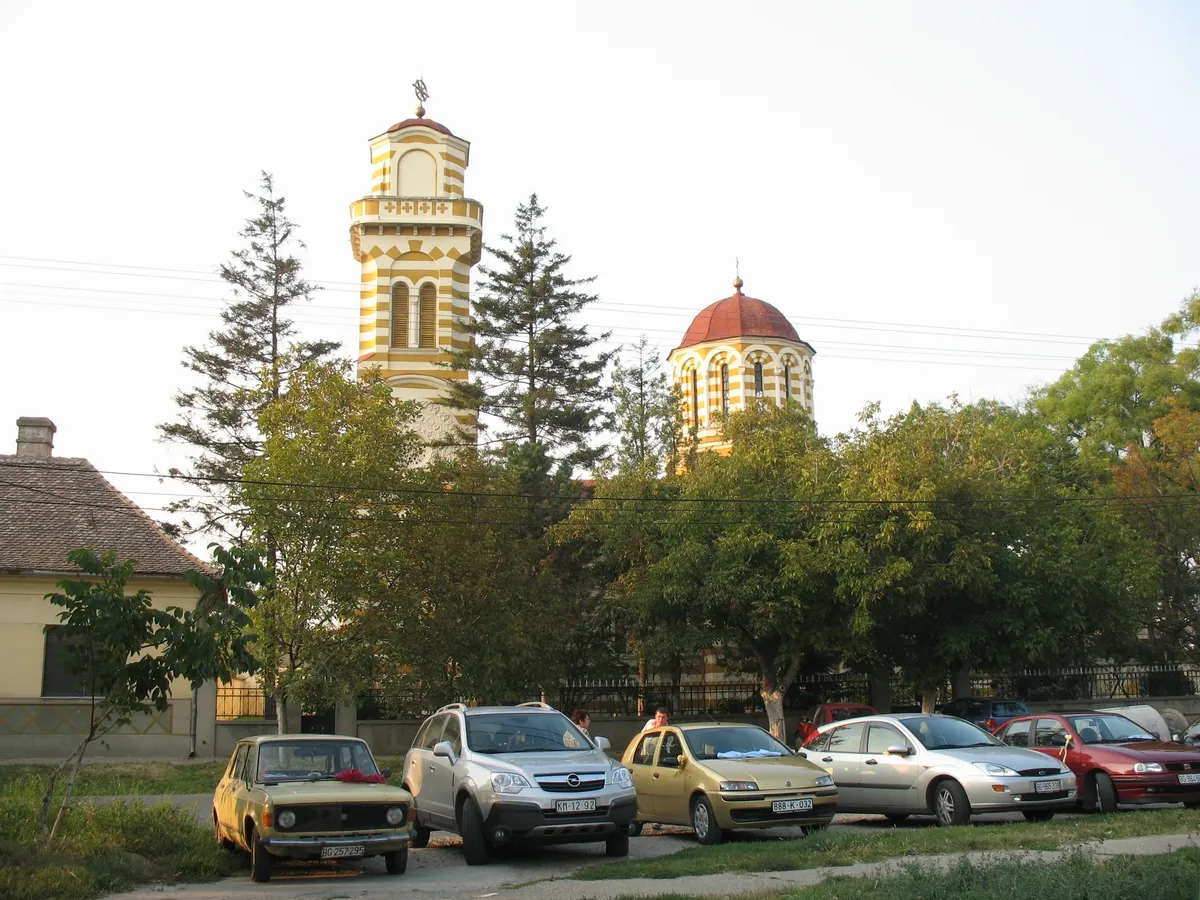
422,95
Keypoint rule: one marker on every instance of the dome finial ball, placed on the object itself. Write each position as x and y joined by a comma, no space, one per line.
737,283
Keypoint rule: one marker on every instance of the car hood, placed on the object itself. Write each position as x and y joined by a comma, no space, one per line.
1013,757
1153,751
549,763
768,774
335,792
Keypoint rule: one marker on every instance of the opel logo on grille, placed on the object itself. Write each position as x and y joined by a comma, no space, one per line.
573,780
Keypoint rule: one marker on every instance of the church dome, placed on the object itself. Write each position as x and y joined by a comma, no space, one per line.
738,316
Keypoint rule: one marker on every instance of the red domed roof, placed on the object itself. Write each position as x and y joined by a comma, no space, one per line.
428,123
738,316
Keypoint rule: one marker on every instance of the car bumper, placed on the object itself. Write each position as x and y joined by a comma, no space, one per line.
297,847
988,794
510,820
755,811
1155,789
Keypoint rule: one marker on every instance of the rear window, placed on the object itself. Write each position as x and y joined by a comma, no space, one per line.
1009,708
848,712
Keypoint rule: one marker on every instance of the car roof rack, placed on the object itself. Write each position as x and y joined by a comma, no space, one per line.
450,706
536,703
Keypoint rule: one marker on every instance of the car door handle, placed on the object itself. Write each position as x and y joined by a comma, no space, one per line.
826,759
872,762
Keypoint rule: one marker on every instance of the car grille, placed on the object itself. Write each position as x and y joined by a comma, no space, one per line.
332,817
1031,797
1038,773
560,783
1183,767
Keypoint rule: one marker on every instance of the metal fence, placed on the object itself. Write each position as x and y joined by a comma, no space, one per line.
1118,682
243,703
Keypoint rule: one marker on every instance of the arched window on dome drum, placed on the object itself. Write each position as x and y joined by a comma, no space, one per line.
725,388
787,384
695,402
758,380
400,315
428,320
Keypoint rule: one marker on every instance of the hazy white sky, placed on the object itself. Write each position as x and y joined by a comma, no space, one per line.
903,180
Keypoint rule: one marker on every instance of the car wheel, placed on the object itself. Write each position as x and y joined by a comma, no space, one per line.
896,818
396,861
226,844
1102,794
1039,815
616,845
635,828
704,822
260,859
950,804
475,846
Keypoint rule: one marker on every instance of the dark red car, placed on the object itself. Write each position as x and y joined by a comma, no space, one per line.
1114,759
824,713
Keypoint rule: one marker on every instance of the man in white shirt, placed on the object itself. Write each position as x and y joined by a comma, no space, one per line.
662,717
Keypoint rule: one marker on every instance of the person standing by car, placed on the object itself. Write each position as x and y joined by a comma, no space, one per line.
662,716
582,722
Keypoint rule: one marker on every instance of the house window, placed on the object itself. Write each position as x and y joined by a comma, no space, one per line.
56,680
400,315
725,388
695,402
787,384
758,380
428,318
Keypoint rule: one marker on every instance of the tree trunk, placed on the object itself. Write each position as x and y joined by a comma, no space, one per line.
281,719
641,697
772,697
928,699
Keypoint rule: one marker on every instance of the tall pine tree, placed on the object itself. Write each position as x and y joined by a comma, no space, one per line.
534,371
246,364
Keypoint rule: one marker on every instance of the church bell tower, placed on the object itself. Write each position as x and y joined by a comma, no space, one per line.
417,236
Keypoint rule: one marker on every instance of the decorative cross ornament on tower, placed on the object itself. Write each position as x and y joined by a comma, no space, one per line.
422,95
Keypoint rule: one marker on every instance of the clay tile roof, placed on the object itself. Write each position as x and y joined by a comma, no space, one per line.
51,506
738,316
428,123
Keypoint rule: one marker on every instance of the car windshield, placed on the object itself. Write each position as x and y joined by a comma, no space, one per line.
1101,729
523,732
311,760
945,733
742,742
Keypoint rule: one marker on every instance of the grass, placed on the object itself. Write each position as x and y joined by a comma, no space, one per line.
843,848
101,848
1170,876
135,778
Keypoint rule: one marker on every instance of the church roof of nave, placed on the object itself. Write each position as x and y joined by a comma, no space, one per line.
738,316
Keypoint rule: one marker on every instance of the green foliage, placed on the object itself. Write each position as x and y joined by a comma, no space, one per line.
247,362
101,779
646,413
532,370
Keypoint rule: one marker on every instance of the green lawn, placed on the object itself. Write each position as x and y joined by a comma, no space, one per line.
140,778
842,848
1170,876
101,848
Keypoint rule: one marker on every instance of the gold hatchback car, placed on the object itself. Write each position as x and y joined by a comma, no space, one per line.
310,796
717,778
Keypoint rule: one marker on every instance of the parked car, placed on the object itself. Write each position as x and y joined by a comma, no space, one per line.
824,713
308,796
1115,759
496,774
717,778
905,765
986,712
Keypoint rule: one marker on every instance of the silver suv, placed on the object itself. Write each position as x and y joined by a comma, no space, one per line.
495,774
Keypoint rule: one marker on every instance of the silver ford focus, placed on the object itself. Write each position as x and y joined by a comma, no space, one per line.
913,765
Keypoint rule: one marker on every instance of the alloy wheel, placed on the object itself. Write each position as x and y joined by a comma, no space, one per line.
700,821
945,805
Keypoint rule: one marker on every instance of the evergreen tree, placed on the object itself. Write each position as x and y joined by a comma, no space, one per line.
646,412
242,368
532,369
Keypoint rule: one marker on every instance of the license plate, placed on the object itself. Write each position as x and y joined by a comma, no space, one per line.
1047,787
1193,778
575,805
342,851
787,806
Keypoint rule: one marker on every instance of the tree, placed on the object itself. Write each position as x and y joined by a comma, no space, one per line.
331,491
127,654
646,412
246,364
539,375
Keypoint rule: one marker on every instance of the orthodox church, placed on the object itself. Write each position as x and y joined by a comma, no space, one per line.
417,236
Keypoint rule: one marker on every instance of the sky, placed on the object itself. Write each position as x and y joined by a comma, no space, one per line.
943,197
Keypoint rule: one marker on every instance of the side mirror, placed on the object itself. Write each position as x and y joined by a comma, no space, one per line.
443,748
898,750
387,771
682,761
601,742
802,754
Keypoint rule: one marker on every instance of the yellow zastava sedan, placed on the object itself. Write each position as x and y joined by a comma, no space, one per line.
717,777
310,796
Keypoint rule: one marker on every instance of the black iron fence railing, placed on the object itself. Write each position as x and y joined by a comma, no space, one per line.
1096,683
243,703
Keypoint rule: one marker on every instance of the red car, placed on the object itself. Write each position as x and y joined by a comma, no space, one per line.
1114,759
825,713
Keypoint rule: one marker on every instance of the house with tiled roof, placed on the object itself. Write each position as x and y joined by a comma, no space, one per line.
50,505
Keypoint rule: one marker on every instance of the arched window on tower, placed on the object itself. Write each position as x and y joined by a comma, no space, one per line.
400,315
787,384
695,402
428,319
758,381
725,388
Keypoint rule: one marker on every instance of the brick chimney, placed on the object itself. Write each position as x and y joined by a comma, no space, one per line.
35,437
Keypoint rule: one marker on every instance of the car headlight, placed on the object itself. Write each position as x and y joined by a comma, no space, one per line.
739,786
620,777
285,819
505,783
1143,768
824,780
395,815
994,769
